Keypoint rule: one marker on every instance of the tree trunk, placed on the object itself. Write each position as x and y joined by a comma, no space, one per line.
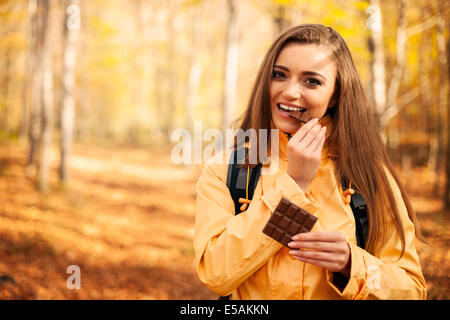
138,66
427,100
38,11
443,88
71,30
394,104
375,25
29,61
47,105
84,118
444,95
4,125
394,84
231,67
447,185
195,70
171,88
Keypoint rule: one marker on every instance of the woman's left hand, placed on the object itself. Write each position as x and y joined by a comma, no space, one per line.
329,250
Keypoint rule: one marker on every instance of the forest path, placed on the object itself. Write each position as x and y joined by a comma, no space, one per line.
127,225
128,221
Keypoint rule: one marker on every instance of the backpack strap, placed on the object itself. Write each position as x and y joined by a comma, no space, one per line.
237,178
237,183
359,208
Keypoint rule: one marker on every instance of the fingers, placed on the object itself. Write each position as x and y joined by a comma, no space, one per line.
300,134
310,136
329,250
332,265
327,236
317,246
317,144
315,255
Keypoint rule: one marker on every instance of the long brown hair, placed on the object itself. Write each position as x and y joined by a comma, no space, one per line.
361,154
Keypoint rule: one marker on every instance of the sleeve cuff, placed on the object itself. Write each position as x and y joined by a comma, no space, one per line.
286,187
354,288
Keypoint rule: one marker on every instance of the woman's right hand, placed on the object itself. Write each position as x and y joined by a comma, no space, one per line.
304,150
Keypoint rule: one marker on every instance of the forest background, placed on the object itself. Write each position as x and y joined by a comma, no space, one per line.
91,92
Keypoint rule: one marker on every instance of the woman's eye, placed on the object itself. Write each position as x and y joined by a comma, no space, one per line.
313,82
278,75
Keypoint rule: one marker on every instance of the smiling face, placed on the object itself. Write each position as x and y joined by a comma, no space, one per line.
303,79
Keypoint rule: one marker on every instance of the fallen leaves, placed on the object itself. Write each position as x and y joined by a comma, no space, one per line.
121,229
130,230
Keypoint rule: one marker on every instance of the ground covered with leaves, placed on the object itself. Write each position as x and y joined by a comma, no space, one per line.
127,221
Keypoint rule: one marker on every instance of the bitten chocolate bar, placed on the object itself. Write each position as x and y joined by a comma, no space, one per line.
288,220
303,116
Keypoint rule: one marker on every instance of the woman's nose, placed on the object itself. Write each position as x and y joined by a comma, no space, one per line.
293,91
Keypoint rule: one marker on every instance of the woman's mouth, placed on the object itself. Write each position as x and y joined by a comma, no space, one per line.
288,109
298,113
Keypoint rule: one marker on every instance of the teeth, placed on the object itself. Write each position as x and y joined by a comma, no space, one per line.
285,107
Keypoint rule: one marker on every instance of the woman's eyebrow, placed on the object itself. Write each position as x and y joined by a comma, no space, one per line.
306,73
313,73
281,67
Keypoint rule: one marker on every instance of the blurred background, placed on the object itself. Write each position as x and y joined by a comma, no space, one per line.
91,91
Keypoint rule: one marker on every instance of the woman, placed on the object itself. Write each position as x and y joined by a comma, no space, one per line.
309,70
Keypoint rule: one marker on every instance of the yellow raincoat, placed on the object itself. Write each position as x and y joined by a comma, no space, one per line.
233,256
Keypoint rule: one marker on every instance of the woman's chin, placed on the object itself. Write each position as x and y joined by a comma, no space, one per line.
288,128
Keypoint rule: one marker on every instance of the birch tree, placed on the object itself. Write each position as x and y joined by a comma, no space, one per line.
26,83
195,69
376,46
231,66
38,11
47,104
170,76
71,33
387,101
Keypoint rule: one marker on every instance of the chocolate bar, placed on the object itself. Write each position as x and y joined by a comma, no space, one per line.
288,220
303,116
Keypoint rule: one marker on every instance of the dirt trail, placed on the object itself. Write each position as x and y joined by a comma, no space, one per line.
128,226
127,221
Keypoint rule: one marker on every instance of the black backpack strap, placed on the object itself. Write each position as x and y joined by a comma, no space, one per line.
237,178
359,208
237,182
